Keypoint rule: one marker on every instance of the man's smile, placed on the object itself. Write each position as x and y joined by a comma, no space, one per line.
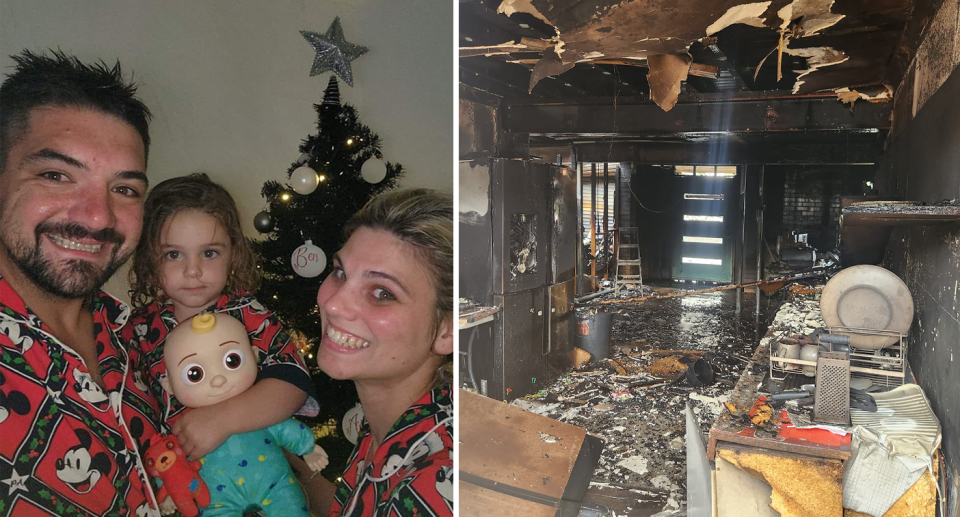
73,245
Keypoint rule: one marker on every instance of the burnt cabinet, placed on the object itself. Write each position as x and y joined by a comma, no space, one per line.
518,250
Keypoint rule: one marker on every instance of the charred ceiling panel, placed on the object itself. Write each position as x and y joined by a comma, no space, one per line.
631,31
845,45
666,72
747,14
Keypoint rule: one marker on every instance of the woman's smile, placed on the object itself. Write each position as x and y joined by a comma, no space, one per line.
379,303
345,340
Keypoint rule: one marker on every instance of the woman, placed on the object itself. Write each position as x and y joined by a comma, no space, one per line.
387,310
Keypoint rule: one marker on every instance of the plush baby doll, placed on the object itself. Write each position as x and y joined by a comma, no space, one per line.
209,359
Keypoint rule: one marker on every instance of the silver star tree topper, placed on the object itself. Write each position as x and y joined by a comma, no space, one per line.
333,52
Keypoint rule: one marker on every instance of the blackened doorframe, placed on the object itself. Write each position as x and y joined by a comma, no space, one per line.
578,169
593,222
606,233
759,246
616,227
740,255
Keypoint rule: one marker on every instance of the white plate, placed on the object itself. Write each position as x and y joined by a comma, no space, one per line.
867,297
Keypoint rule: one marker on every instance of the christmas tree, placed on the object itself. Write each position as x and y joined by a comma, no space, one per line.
335,154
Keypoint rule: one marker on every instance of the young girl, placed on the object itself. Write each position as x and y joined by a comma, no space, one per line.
192,257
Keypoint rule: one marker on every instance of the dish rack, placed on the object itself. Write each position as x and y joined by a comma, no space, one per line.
885,367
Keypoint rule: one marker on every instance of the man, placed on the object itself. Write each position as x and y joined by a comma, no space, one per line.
73,154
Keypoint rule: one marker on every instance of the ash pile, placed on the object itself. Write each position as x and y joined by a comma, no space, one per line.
664,354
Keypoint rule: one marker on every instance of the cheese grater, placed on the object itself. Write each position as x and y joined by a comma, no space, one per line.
832,403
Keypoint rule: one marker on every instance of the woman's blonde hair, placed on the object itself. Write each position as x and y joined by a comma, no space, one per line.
422,218
193,192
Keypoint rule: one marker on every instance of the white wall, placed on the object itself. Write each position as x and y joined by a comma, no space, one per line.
229,86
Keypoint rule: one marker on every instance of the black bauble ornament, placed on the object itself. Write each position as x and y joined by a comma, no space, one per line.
263,222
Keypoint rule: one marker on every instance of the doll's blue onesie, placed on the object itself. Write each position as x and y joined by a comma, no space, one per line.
250,470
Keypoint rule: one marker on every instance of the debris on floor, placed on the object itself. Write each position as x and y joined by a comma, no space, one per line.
635,398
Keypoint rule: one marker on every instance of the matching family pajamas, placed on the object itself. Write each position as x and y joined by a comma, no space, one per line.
70,448
411,472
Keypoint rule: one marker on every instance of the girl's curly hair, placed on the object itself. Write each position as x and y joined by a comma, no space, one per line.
193,192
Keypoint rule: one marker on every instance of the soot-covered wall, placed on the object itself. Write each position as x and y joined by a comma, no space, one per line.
921,164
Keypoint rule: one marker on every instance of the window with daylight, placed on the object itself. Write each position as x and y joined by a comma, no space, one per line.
709,171
587,197
706,261
703,218
703,197
703,240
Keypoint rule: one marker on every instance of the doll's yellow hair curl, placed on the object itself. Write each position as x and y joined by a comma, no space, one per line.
203,323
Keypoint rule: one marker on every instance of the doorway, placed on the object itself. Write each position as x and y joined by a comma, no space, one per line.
704,245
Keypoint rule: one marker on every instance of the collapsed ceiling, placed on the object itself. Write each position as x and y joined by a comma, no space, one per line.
658,49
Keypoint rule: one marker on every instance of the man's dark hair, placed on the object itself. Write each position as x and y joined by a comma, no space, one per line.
61,81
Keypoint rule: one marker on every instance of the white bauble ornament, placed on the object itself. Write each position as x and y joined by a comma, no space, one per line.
308,260
352,422
304,180
373,170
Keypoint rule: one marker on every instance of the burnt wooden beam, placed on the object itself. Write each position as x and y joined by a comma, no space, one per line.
468,93
484,82
723,116
719,153
701,70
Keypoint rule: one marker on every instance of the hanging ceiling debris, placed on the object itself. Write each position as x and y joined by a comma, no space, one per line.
659,49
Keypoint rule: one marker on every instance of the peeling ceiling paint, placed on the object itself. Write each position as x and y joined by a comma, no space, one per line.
847,96
630,32
816,15
877,94
811,26
642,29
508,7
749,14
666,72
817,58
550,64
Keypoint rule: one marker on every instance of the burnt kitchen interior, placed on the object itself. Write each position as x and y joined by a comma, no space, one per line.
709,256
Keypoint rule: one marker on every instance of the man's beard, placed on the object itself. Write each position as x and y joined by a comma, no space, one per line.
75,278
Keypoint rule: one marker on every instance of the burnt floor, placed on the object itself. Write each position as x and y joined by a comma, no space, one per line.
637,401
